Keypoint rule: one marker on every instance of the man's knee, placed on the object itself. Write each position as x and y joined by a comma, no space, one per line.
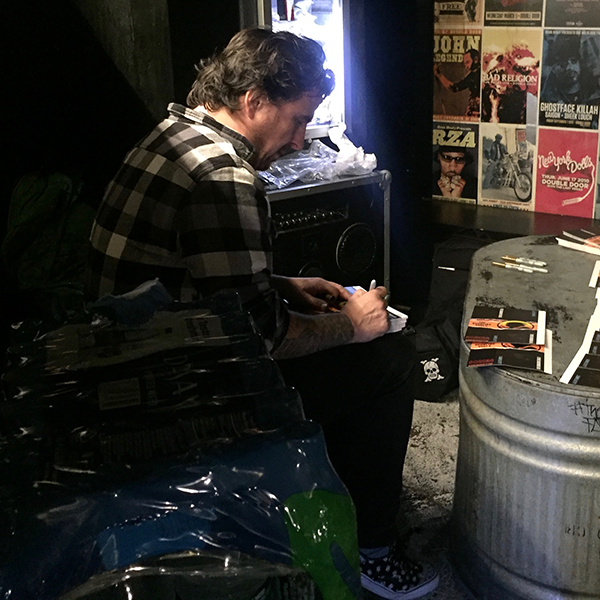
399,348
395,355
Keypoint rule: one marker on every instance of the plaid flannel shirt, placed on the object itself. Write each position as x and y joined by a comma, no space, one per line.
187,207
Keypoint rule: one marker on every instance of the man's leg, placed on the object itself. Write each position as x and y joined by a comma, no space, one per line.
362,395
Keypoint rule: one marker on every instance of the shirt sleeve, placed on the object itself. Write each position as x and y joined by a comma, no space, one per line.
226,235
468,82
461,85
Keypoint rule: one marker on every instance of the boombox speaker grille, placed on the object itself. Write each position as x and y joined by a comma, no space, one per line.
356,249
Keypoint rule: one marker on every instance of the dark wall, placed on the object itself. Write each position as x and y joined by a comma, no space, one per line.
197,30
399,93
69,106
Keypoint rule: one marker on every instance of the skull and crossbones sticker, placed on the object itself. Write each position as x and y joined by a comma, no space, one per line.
431,370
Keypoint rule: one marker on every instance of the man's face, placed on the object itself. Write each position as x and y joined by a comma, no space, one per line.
452,163
467,61
567,71
278,129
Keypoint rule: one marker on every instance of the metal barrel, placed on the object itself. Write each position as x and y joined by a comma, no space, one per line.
526,515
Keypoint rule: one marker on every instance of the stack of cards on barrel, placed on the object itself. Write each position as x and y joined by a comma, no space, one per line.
586,365
583,240
509,337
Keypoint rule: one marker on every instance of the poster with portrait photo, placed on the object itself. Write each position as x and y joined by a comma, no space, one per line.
459,13
566,177
570,90
513,13
572,13
455,162
510,61
507,164
457,74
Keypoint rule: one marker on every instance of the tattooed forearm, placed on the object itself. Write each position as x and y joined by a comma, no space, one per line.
311,333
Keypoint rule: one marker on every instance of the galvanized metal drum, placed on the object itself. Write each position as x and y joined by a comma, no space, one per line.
527,498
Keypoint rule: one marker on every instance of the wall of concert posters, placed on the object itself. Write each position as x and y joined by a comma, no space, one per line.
516,104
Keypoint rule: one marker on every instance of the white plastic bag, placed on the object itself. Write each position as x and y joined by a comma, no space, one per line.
320,162
350,160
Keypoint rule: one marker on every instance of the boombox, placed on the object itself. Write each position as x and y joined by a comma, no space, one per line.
338,230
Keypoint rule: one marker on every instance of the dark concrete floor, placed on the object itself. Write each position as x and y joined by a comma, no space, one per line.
429,471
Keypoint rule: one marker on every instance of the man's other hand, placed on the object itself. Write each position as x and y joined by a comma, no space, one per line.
310,294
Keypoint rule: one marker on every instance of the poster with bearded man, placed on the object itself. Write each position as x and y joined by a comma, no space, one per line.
455,162
570,94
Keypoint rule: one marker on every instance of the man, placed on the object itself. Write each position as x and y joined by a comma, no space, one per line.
187,206
471,81
498,150
590,63
495,156
450,181
563,82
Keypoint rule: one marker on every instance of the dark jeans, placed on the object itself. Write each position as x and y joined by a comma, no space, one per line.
362,395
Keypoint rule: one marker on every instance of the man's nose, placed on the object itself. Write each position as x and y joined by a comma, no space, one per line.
297,142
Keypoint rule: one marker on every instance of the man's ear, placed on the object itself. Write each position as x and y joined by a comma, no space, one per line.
252,101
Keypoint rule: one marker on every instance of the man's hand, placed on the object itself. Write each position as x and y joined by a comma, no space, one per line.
457,186
367,311
441,77
362,317
451,187
309,294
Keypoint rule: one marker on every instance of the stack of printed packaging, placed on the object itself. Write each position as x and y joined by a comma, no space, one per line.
169,451
509,337
584,240
584,368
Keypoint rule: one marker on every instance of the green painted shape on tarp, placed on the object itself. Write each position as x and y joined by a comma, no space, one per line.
322,530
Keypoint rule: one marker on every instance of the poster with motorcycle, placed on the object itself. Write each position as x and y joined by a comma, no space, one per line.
572,13
510,61
456,74
507,162
570,90
455,162
566,172
458,13
515,13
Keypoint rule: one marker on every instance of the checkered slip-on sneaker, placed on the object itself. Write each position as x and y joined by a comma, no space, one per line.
397,578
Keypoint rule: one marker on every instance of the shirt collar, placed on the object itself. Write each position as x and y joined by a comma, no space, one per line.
243,147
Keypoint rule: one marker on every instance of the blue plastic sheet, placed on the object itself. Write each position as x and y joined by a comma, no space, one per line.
166,460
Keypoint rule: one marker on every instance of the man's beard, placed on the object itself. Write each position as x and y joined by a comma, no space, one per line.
263,163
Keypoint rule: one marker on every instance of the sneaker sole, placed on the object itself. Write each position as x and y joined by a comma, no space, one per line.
384,592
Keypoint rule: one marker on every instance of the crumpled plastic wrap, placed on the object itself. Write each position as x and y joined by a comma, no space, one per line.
319,162
271,498
166,461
